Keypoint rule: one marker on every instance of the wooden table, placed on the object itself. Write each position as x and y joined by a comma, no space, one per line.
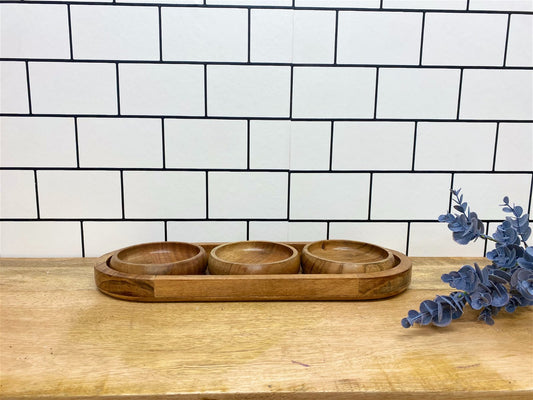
60,337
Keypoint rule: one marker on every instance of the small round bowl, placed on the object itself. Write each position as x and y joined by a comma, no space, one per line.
161,258
345,257
253,257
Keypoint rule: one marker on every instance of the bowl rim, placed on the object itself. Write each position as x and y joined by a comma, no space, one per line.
294,254
199,254
305,251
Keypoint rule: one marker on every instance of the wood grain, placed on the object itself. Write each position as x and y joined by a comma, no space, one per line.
61,338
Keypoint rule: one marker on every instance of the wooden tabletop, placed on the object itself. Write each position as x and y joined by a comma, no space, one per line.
60,337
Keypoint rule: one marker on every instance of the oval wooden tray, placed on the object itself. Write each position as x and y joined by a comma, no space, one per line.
167,288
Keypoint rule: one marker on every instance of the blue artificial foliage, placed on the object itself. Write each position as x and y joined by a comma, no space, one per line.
507,283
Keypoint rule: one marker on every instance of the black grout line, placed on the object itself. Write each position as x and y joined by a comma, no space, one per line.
249,33
506,40
376,94
207,194
160,34
381,4
77,142
28,87
415,134
82,237
166,230
327,229
163,140
529,210
118,89
336,37
370,195
248,144
122,193
37,206
247,230
467,5
331,147
422,38
485,244
69,19
459,94
408,238
450,198
288,197
495,146
205,90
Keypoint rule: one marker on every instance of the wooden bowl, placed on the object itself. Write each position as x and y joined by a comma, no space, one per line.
161,258
345,257
253,257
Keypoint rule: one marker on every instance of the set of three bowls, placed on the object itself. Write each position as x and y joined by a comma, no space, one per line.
252,257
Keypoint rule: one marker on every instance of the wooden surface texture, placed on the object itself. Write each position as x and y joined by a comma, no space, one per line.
61,338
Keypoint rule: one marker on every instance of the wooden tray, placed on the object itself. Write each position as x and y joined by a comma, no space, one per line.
167,288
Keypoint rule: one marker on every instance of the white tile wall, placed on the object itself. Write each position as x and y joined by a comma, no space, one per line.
120,143
40,239
418,93
409,196
206,231
329,196
248,194
168,194
14,93
156,89
17,198
304,36
520,46
464,39
73,88
182,120
79,194
392,235
484,192
373,145
494,94
53,142
442,146
255,91
515,147
187,34
379,38
327,92
109,32
34,31
103,237
223,143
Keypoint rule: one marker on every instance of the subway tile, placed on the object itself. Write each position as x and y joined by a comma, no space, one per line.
14,93
391,235
74,1
53,142
223,143
329,196
338,3
284,231
188,34
248,194
151,89
515,147
373,145
17,198
303,36
120,142
248,91
379,38
417,93
520,46
103,237
184,2
79,194
73,88
497,94
409,195
503,5
336,92
448,146
434,239
464,39
270,144
34,31
285,3
484,192
206,231
426,4
40,239
309,145
164,194
116,33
